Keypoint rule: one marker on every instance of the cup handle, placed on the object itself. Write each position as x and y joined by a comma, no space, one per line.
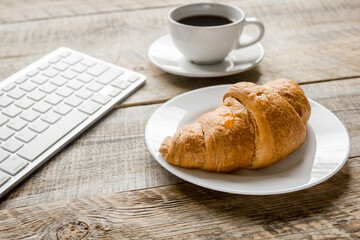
259,24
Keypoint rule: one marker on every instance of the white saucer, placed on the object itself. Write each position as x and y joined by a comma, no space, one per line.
324,152
165,56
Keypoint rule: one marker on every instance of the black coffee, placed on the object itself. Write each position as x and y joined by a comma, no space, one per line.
205,20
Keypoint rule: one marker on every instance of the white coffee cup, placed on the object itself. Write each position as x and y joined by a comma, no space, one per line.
210,44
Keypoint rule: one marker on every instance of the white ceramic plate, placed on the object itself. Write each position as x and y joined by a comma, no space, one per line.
165,56
324,152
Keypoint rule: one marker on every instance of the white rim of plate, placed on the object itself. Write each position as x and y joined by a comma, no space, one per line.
172,169
215,74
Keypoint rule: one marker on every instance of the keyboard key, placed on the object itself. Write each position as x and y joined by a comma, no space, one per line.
86,78
72,59
3,178
12,111
44,66
84,93
3,155
58,81
73,101
41,107
114,92
21,79
69,74
88,62
36,95
121,84
65,53
42,142
12,145
16,93
61,66
54,60
39,79
124,85
5,133
109,76
13,165
50,117
98,69
25,135
8,87
5,101
17,124
53,99
79,68
64,92
75,84
24,103
133,78
50,72
28,86
117,83
38,126
33,73
62,109
93,86
30,115
89,107
101,98
47,88
3,120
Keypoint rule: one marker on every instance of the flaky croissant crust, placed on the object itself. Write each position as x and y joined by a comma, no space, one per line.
255,127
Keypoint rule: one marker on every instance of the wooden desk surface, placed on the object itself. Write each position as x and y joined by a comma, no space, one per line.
107,185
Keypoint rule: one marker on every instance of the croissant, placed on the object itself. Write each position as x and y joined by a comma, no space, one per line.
255,127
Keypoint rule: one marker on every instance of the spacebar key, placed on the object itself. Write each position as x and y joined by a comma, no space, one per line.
45,140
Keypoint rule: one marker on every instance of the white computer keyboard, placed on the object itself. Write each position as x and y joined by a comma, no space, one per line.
49,103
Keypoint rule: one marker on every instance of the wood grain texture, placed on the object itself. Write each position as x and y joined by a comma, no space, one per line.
112,155
305,40
185,211
314,42
24,11
342,98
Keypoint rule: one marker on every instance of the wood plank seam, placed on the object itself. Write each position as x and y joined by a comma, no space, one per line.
141,103
328,80
121,105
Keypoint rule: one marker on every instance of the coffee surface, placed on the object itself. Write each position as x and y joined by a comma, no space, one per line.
205,20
